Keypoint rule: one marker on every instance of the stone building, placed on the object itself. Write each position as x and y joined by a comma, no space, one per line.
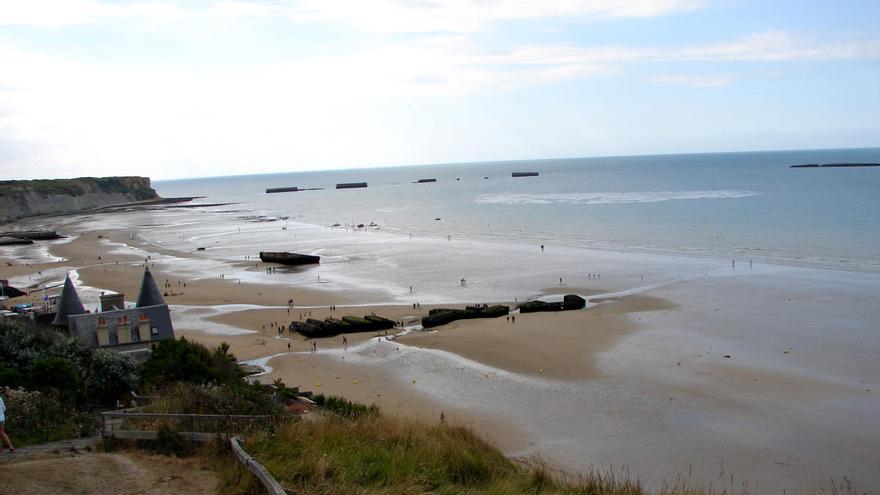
113,327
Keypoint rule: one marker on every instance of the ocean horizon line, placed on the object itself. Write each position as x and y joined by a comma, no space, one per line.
520,160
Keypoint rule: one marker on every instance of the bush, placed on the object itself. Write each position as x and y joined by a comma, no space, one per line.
34,417
178,360
169,443
110,377
44,359
225,365
21,344
345,407
55,373
9,377
188,398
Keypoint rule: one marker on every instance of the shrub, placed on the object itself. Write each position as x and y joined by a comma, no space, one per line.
55,373
21,344
178,360
345,407
29,356
225,365
188,398
34,416
109,377
169,443
9,377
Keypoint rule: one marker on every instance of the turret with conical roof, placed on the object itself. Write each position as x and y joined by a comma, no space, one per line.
69,304
149,294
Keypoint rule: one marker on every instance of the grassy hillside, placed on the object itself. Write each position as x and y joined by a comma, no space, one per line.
375,454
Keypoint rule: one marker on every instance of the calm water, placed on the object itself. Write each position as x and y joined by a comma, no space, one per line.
730,205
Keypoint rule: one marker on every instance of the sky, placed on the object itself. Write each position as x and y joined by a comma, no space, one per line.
171,89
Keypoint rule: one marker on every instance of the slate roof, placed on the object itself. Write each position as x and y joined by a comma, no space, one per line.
149,295
69,305
84,327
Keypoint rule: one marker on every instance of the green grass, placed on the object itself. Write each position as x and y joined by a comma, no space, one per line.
375,454
345,407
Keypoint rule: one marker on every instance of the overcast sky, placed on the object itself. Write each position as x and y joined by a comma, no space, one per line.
202,88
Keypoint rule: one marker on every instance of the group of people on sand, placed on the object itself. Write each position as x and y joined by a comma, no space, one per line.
4,392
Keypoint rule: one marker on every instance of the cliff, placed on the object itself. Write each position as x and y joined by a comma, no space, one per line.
26,198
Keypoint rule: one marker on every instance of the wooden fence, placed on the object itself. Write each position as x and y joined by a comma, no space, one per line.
130,424
133,425
270,483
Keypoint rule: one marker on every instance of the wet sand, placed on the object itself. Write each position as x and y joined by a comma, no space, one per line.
562,345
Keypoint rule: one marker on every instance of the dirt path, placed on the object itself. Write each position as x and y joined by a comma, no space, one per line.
123,473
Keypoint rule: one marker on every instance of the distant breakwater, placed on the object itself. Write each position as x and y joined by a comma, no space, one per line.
835,165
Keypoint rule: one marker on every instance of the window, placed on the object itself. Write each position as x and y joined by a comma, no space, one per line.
155,331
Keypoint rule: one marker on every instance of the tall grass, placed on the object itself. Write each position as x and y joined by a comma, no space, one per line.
345,407
375,454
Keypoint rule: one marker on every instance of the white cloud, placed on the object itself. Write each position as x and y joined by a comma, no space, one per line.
776,45
770,46
59,13
391,16
387,16
243,9
50,13
691,81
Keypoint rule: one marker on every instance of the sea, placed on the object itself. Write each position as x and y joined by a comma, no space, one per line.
724,205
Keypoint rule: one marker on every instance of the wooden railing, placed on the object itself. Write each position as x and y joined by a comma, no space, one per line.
133,425
269,482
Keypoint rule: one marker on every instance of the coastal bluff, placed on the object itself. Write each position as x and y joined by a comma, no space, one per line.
27,198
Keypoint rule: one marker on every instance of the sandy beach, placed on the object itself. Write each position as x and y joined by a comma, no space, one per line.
766,374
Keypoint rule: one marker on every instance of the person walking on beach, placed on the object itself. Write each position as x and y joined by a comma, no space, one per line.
288,346
345,341
314,346
513,318
5,439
